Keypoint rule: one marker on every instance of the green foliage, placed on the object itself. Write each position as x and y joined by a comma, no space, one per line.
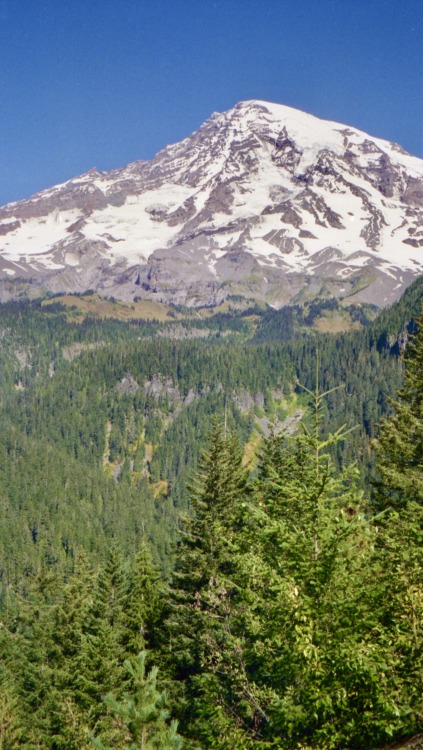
202,651
400,443
295,613
282,632
314,644
81,456
10,723
399,491
64,647
142,714
144,603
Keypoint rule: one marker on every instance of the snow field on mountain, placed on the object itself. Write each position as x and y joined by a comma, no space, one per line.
36,236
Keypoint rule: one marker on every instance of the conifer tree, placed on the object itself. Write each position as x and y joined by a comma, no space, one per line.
68,720
315,654
144,603
399,491
399,447
27,657
102,653
10,720
204,591
142,713
204,558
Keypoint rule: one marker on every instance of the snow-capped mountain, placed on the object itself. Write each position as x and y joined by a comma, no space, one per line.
262,201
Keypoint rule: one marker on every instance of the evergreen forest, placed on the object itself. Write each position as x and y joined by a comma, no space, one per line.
211,527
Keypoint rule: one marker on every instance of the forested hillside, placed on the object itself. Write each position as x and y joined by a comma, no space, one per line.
267,577
102,421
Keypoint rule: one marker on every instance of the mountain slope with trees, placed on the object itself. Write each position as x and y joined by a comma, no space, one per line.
292,619
102,425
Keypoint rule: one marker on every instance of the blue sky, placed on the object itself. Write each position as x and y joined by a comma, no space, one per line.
87,83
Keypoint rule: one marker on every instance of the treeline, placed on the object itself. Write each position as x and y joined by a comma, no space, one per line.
292,618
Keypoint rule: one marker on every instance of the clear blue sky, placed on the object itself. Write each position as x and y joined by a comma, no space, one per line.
87,83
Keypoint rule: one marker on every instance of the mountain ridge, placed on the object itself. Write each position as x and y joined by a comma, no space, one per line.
261,201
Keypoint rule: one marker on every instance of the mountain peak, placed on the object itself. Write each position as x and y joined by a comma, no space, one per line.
263,200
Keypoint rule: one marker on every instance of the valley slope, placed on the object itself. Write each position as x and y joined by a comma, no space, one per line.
103,421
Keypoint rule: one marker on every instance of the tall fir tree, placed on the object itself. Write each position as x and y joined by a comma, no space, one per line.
102,653
399,447
68,720
399,492
29,659
203,650
317,648
144,603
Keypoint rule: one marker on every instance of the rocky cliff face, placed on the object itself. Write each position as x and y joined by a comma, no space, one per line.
262,201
